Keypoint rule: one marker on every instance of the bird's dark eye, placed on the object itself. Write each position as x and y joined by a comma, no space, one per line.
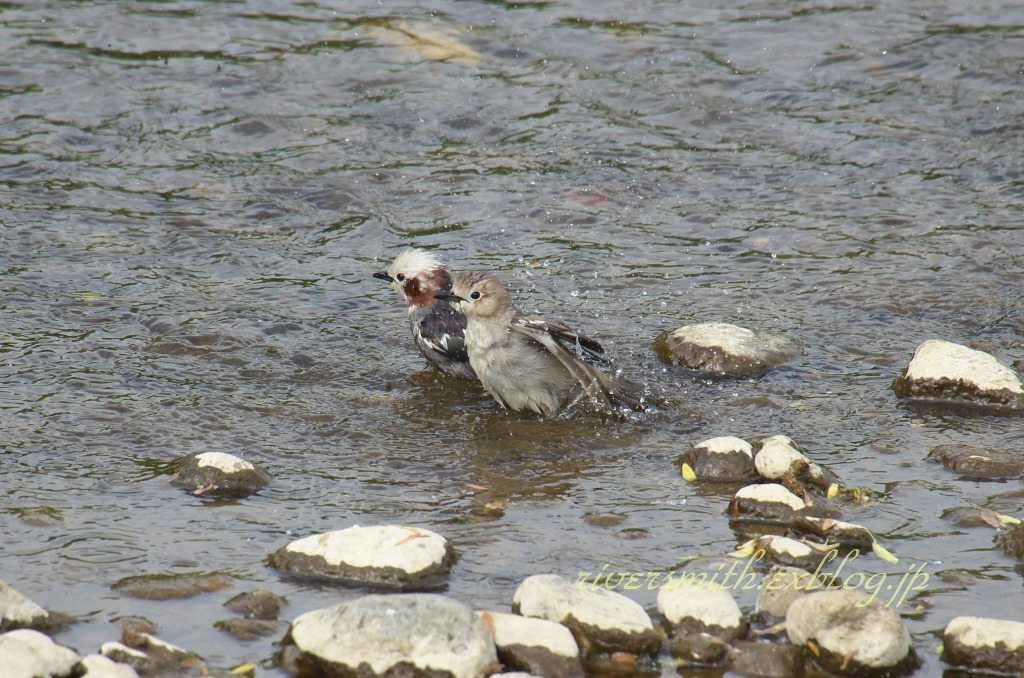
400,277
475,295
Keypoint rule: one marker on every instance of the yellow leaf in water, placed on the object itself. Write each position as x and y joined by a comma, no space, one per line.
1008,520
429,42
688,474
745,550
833,490
883,553
248,667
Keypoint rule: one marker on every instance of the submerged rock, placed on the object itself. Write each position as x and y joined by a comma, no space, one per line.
25,653
721,459
946,371
702,610
766,660
215,474
852,634
411,634
18,612
537,646
698,649
767,503
979,463
247,628
393,556
171,586
603,622
724,349
257,604
984,644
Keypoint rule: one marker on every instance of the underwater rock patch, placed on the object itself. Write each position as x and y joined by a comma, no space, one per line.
171,586
393,556
216,474
724,349
943,370
852,634
978,463
257,604
410,634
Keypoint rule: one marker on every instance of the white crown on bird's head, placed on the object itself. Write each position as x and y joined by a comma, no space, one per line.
416,263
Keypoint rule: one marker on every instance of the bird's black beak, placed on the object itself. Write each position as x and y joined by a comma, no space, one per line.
448,296
383,275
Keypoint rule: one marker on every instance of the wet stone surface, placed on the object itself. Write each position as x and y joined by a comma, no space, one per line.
947,371
216,474
724,349
978,462
983,644
722,459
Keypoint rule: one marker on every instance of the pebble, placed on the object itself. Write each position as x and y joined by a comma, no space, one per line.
725,458
392,556
984,644
724,349
216,474
25,653
852,634
391,634
948,371
768,503
537,646
979,463
605,622
691,610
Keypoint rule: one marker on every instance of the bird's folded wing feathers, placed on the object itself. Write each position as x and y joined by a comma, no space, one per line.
573,340
603,390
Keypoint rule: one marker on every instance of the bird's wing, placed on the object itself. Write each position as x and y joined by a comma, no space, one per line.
604,391
574,340
444,330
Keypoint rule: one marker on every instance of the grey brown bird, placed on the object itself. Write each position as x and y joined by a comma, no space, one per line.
532,363
438,328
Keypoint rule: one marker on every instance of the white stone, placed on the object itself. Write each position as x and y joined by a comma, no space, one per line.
936,359
98,666
548,596
788,546
514,629
771,493
979,632
228,463
727,445
29,654
730,338
431,632
14,607
410,549
776,456
845,625
709,606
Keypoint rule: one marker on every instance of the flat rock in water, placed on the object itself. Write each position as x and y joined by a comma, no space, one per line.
393,556
537,646
247,628
853,634
767,503
692,610
607,621
766,660
725,458
698,649
257,604
979,463
18,612
216,474
25,653
984,644
412,634
943,370
724,349
171,586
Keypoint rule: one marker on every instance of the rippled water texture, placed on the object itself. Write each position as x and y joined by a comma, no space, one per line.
196,193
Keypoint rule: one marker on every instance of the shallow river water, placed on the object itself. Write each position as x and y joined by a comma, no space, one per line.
194,196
